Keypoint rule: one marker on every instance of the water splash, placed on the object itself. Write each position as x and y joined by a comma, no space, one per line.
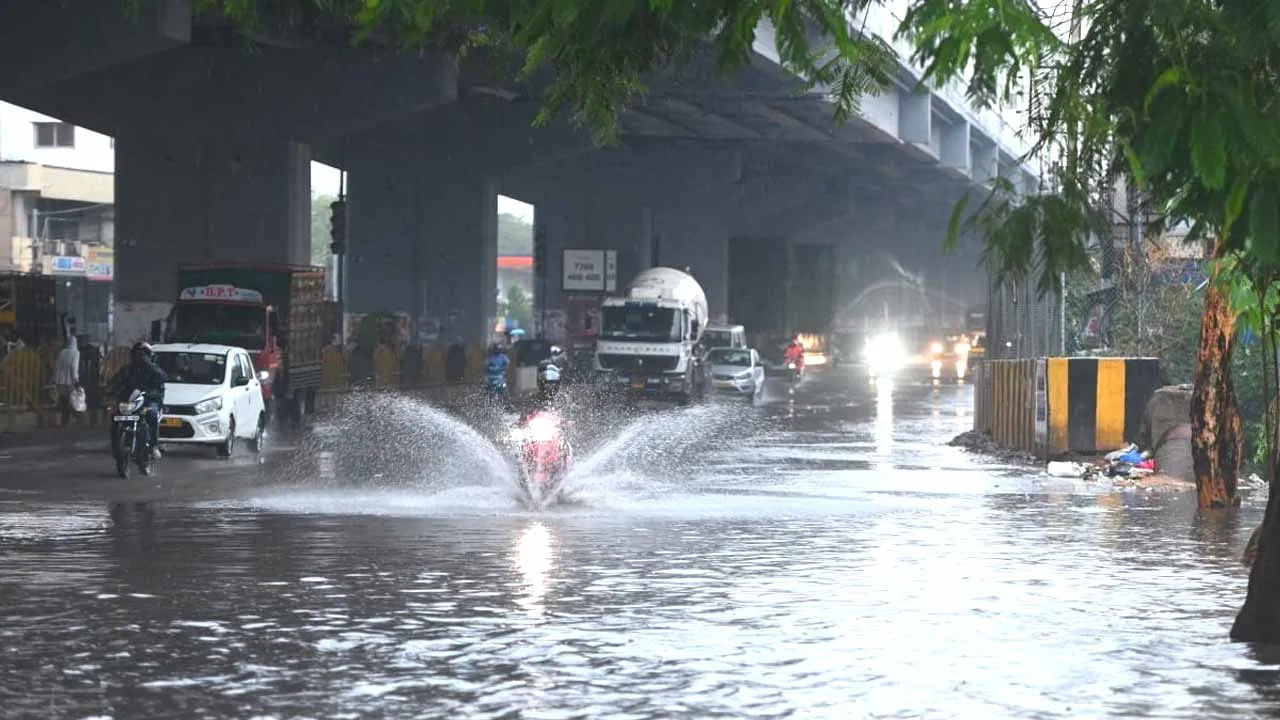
388,440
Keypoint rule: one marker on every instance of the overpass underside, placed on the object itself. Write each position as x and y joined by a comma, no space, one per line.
214,138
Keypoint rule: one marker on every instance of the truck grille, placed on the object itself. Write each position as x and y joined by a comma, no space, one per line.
651,363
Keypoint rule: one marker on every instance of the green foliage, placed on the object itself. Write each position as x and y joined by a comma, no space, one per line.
320,238
515,235
518,306
600,53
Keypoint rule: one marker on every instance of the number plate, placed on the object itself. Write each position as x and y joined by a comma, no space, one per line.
125,418
172,422
637,384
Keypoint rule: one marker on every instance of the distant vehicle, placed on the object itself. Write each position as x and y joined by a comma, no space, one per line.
724,336
648,336
213,396
737,370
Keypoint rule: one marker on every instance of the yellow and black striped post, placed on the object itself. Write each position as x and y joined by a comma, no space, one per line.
1096,404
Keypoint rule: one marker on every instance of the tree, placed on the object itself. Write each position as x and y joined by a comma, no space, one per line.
515,235
1183,95
320,237
519,306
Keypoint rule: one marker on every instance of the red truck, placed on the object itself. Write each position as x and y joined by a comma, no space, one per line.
278,313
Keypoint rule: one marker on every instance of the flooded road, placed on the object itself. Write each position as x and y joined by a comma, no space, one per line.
830,557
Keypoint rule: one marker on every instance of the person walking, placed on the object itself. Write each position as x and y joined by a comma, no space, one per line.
66,376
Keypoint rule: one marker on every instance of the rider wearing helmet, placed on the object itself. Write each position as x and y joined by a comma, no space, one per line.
550,373
144,375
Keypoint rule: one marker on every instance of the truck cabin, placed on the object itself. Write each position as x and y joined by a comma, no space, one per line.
251,326
646,322
718,336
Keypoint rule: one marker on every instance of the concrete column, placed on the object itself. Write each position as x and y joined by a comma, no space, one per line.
188,200
460,245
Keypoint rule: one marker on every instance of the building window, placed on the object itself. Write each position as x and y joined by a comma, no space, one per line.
55,134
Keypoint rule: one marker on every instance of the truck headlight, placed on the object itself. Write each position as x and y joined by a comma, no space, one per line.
208,406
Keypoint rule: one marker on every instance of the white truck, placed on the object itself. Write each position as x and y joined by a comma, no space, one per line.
648,337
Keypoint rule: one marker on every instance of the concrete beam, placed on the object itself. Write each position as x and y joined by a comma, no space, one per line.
915,117
955,151
42,41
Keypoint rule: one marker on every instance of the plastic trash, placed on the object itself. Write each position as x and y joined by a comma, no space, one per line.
1133,457
1066,469
1117,454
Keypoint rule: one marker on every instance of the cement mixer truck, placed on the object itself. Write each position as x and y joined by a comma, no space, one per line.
648,337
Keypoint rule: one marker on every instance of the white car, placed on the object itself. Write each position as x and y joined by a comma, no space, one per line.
213,396
736,369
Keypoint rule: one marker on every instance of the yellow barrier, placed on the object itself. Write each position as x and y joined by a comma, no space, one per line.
333,369
433,365
21,379
475,364
1085,405
386,367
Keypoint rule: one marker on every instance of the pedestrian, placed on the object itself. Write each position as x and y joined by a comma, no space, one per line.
455,362
66,375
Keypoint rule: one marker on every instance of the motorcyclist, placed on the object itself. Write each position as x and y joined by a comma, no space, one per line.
550,374
495,370
144,375
795,354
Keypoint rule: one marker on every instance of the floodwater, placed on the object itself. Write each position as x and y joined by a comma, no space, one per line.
827,557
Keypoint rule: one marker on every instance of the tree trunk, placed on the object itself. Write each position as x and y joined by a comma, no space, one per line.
1259,618
1216,436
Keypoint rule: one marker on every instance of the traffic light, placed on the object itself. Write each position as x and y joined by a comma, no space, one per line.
539,250
338,226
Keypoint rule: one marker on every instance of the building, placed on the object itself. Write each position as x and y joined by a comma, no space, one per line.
57,212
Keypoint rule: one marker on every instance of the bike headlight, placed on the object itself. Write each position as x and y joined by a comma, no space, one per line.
935,348
208,406
542,429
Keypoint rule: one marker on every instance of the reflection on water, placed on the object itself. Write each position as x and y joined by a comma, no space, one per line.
534,561
747,588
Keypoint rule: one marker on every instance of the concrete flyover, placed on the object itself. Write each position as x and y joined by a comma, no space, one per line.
214,137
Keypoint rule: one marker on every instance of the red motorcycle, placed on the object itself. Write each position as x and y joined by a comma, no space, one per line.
544,455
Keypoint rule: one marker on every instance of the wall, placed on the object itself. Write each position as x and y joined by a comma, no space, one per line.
92,151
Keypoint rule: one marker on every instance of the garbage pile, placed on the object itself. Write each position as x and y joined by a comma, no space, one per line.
1130,462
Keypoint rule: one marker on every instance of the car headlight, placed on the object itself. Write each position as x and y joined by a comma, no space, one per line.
743,375
208,406
935,348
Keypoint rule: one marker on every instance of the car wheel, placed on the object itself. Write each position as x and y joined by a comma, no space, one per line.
259,439
228,446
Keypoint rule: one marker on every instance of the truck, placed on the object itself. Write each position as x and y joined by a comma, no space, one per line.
28,308
649,335
276,312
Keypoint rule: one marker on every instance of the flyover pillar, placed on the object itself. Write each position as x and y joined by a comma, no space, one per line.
191,200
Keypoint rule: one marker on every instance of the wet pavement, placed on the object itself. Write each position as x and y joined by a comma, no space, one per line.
822,556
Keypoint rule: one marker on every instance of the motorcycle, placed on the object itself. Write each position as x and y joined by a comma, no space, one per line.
544,456
127,445
495,387
796,371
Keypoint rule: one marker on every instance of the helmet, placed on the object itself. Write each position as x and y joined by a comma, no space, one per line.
494,349
555,350
141,349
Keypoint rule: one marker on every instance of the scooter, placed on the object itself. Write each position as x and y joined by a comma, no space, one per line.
127,445
544,456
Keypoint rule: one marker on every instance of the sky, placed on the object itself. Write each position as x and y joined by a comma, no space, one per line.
324,181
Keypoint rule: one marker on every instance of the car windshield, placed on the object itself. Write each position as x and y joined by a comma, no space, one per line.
636,322
726,356
240,325
193,368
